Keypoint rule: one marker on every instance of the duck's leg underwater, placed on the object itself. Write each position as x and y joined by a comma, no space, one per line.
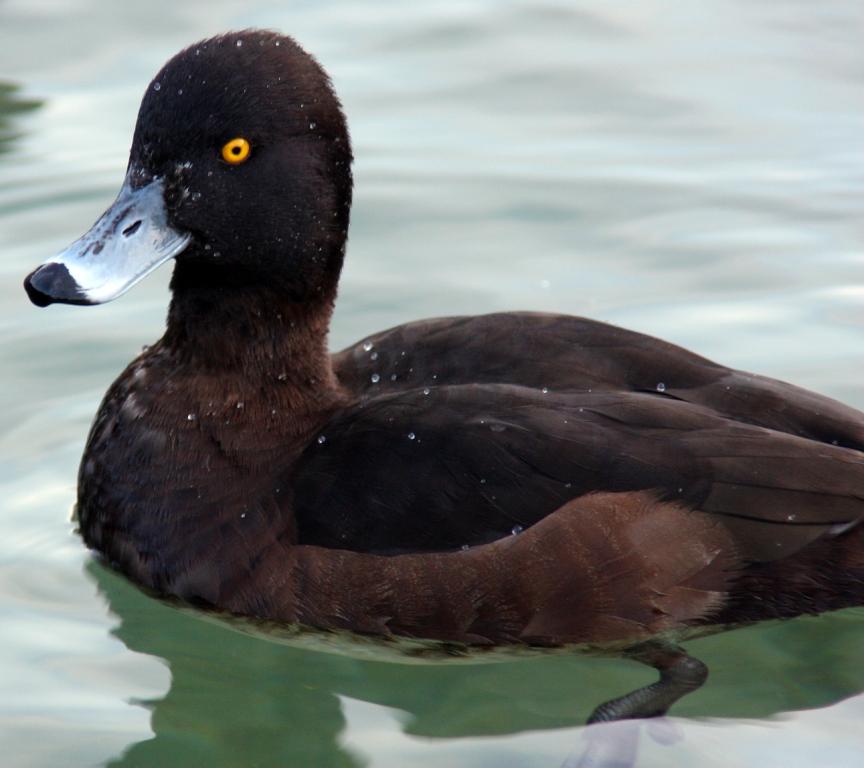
680,674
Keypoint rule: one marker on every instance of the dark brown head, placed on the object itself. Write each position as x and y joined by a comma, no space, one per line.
240,169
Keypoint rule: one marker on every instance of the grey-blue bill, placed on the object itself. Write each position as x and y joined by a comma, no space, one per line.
130,240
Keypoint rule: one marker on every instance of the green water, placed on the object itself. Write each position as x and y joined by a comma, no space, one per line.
690,170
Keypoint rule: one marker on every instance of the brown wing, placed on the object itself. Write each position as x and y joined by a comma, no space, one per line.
466,465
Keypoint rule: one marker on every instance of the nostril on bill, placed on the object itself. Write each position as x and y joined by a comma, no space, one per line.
132,228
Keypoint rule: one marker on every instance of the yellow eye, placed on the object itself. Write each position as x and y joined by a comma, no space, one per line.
236,151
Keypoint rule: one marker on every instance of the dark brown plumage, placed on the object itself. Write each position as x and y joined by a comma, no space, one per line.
509,478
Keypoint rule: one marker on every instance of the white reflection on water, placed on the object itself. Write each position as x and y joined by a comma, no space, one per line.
378,736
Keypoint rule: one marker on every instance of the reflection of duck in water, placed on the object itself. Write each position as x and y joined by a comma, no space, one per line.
230,682
240,696
512,478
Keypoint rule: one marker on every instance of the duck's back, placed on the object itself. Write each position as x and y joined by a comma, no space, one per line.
563,353
466,430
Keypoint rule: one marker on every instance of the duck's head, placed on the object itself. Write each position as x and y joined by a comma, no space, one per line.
240,169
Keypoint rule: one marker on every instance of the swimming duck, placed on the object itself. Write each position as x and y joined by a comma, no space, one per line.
515,478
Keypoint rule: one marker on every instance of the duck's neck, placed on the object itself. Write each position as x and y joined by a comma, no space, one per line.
252,330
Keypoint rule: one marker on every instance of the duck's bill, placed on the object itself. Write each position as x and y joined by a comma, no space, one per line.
130,240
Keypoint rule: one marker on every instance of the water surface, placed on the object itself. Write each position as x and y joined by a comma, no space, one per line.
692,170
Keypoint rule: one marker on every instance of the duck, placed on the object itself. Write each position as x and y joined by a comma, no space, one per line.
508,479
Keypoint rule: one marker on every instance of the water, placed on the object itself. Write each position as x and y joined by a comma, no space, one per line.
690,170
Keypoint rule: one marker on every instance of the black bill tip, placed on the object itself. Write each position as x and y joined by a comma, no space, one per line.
52,284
